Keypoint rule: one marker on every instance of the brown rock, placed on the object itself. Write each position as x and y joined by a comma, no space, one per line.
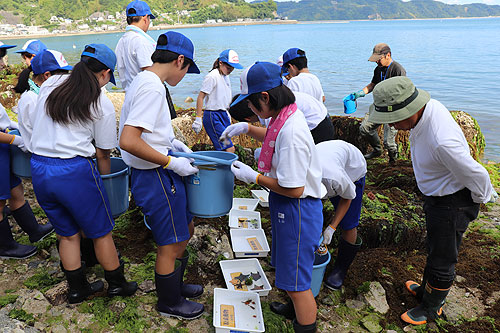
57,294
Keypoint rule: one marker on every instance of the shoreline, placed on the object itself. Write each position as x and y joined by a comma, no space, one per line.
154,28
403,19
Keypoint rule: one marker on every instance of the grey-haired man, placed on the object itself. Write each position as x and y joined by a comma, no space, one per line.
453,183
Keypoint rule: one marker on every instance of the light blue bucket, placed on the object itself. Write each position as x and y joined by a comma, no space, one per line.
210,190
116,185
350,104
319,268
20,162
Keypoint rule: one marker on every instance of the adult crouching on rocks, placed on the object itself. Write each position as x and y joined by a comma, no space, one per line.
453,183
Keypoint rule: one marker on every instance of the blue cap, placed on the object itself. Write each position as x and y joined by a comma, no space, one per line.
48,61
180,44
231,58
141,9
291,54
33,46
5,46
104,55
261,76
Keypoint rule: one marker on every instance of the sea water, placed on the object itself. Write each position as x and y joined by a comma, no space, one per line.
456,60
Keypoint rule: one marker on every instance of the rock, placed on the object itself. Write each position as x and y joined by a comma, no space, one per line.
391,331
147,286
36,304
371,323
188,99
375,298
57,294
40,326
459,279
172,322
409,328
22,269
34,264
58,329
354,304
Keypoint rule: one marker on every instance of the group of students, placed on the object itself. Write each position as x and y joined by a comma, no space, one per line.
70,120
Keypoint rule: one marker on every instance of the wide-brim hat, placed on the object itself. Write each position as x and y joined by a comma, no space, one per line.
396,99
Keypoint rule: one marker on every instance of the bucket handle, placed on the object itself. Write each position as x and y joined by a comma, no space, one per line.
201,157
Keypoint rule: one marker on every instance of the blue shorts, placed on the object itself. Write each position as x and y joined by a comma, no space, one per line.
161,194
296,228
72,194
215,122
7,179
351,218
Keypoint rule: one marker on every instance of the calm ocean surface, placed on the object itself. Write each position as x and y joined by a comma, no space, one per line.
457,61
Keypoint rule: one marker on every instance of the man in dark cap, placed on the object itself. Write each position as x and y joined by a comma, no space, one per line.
453,184
386,68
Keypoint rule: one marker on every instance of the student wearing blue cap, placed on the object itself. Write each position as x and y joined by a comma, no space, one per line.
292,173
146,140
135,47
216,92
30,49
3,55
74,122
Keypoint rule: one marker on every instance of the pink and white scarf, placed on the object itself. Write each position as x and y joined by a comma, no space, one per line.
266,155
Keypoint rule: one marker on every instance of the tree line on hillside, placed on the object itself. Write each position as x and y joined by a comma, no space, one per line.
310,10
39,12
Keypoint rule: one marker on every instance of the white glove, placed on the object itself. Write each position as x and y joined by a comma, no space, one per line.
19,142
327,235
181,166
197,125
243,172
494,197
13,125
179,146
234,130
256,153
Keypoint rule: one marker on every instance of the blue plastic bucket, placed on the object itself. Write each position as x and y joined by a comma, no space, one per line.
210,190
116,185
20,162
319,268
350,104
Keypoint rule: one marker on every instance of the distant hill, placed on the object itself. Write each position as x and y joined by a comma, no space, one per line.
310,10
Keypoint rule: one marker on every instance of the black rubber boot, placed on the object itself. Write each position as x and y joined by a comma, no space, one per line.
431,307
27,221
117,285
188,290
170,302
311,328
393,156
286,310
79,287
9,248
374,141
416,288
345,257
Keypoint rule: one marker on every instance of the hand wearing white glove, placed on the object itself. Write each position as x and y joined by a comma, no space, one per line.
197,125
327,235
181,166
19,142
234,130
494,197
179,146
244,173
256,153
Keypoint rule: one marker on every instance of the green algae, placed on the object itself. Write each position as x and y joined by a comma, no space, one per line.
41,281
275,323
7,299
22,315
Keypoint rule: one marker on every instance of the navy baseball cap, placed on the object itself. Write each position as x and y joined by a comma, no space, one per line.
291,54
48,61
33,46
5,46
104,55
261,76
231,58
180,44
141,9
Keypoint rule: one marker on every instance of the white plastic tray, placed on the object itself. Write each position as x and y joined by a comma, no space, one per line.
246,267
241,247
263,197
247,317
235,215
245,203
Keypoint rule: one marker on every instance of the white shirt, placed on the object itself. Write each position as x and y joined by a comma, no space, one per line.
295,160
26,116
133,52
218,90
441,158
57,140
4,119
146,106
342,165
307,83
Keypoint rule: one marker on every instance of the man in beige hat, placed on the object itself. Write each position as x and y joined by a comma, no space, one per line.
453,184
386,68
